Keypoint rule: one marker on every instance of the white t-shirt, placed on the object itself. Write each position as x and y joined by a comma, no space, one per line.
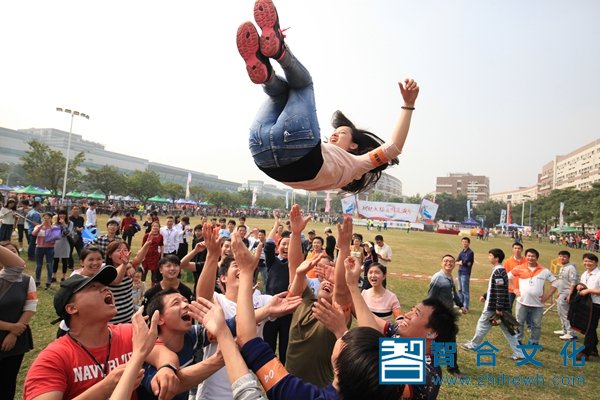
385,251
531,284
217,386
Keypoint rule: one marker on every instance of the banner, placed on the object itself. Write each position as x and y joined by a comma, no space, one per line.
187,186
328,202
383,211
253,198
561,218
508,216
349,205
502,216
468,209
428,210
287,200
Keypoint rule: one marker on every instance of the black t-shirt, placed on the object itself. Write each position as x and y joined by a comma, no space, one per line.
182,288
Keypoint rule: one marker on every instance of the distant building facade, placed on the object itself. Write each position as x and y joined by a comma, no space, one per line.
578,169
475,187
13,145
516,196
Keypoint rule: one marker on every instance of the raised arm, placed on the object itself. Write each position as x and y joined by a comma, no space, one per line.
409,90
341,295
206,283
10,259
186,262
141,254
247,263
275,226
364,316
297,225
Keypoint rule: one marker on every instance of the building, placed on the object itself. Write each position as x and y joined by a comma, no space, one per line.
264,189
516,196
388,185
578,169
14,144
475,187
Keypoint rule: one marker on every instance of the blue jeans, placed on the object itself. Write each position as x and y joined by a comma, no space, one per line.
6,231
31,248
40,253
286,126
525,314
484,326
463,288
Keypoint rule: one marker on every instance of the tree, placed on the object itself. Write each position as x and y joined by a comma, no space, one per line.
107,179
197,192
451,208
173,190
416,199
46,167
491,211
144,184
245,198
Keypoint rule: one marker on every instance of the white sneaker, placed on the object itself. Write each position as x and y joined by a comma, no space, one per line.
468,346
515,357
567,336
560,332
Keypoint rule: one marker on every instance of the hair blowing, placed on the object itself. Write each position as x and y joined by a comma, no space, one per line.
366,141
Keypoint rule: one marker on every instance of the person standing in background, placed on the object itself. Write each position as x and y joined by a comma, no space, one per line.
465,261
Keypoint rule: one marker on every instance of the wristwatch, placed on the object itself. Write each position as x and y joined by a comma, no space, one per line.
170,366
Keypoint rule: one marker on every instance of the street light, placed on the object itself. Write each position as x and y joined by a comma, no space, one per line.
73,114
525,196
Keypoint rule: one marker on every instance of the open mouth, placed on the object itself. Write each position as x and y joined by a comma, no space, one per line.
108,299
186,318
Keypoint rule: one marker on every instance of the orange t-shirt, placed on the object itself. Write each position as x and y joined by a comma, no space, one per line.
509,265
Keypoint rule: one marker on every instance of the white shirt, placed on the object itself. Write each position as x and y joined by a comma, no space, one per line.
90,217
531,284
217,386
385,251
170,239
592,281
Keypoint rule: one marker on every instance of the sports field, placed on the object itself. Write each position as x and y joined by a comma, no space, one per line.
419,253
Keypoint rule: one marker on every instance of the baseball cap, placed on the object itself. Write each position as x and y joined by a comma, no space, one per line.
311,231
76,283
112,221
328,229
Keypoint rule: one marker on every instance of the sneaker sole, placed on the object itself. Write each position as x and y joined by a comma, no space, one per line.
249,48
265,15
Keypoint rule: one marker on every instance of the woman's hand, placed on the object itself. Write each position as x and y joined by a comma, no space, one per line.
409,90
297,222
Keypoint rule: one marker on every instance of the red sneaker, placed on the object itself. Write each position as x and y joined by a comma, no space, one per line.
258,66
271,39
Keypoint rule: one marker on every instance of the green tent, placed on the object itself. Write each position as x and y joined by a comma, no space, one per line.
33,190
75,194
565,229
158,199
97,195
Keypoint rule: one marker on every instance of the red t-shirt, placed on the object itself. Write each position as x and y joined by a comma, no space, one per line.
63,366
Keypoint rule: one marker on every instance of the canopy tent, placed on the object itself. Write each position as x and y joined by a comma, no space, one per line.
184,201
76,194
158,199
470,222
33,190
565,229
96,195
509,226
4,188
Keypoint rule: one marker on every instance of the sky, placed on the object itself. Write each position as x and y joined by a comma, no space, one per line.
505,85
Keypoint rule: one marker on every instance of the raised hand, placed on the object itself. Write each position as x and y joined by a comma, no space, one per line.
245,260
280,305
332,316
352,268
212,240
325,271
345,232
211,315
409,90
144,338
297,222
309,264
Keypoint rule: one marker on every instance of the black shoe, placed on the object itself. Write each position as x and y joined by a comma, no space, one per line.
47,286
53,279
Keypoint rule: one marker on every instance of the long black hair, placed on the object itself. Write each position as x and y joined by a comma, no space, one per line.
365,141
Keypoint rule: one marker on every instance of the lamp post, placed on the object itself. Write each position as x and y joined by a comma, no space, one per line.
73,113
525,196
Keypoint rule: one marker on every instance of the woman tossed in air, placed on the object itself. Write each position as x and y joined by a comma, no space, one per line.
285,139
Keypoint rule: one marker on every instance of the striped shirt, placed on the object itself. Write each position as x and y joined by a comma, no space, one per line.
123,294
497,294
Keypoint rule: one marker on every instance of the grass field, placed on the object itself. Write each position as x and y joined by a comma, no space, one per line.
420,253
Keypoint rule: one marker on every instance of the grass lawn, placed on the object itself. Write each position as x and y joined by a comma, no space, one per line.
420,253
